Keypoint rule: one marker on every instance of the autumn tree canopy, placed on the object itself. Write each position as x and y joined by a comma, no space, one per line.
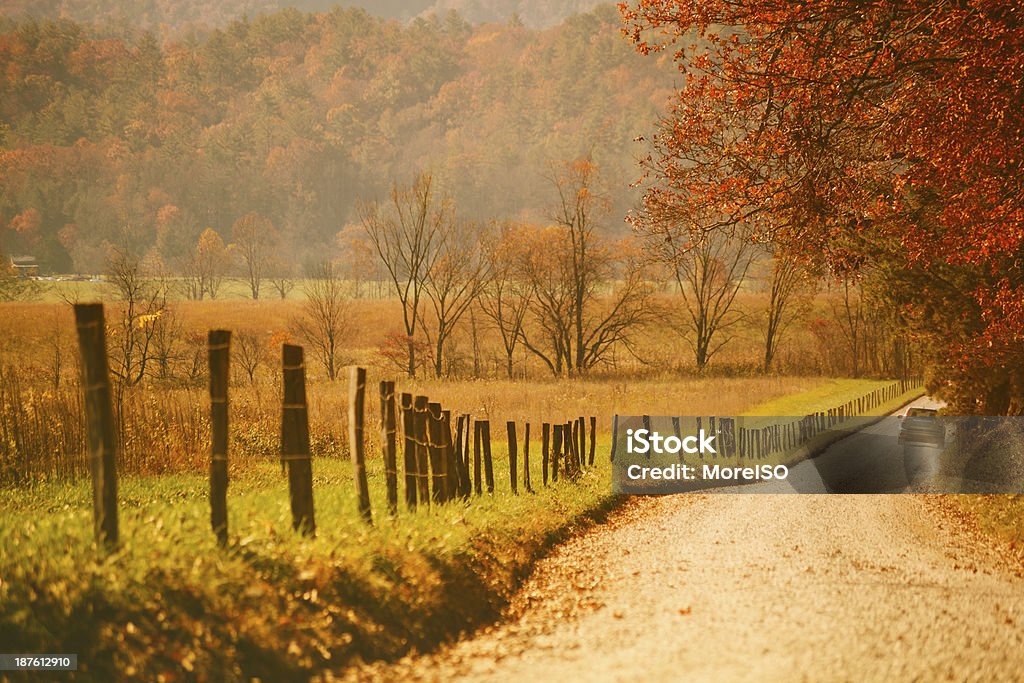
884,132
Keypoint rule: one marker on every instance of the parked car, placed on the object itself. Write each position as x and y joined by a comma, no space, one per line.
922,427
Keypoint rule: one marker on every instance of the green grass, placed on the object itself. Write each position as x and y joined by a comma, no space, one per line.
273,604
832,393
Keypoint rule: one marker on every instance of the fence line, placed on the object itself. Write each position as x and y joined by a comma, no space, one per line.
437,465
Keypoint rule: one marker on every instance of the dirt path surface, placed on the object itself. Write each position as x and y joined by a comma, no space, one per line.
755,588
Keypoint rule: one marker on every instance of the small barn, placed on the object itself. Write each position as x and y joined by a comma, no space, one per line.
25,266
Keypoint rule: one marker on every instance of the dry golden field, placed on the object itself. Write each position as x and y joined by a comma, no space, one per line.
163,421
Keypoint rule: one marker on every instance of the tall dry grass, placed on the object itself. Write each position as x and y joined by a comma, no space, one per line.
166,429
163,423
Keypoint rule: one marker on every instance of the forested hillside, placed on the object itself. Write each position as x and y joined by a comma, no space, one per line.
177,15
299,116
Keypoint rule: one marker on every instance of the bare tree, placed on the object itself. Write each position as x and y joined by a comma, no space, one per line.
787,280
405,237
709,269
211,261
456,276
576,308
322,323
578,204
616,305
250,353
282,275
543,266
203,267
143,303
359,259
253,241
166,344
56,350
506,297
850,313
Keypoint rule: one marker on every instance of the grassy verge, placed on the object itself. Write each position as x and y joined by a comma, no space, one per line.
171,605
274,605
830,393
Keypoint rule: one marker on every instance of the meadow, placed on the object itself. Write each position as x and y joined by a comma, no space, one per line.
163,419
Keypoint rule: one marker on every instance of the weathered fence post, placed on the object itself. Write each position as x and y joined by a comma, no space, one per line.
435,452
357,445
464,453
570,448
409,435
593,439
218,345
388,445
513,474
545,446
581,454
461,456
615,436
527,484
485,432
99,420
422,454
556,450
295,440
453,464
477,455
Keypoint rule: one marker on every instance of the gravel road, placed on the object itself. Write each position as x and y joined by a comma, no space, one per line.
759,588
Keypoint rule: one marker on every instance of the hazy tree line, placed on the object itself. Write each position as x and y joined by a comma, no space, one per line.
568,292
185,16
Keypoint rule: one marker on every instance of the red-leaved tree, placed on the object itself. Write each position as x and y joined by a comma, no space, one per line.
852,132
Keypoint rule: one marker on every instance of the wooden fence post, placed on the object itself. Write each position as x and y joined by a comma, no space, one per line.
485,432
581,453
357,444
295,440
409,435
99,420
615,436
570,447
545,445
434,451
464,458
421,417
388,445
513,474
593,439
477,455
464,452
556,450
527,484
460,430
453,464
218,343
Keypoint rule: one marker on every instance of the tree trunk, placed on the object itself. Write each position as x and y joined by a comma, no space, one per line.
412,356
438,358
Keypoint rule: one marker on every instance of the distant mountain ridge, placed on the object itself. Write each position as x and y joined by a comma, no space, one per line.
158,15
